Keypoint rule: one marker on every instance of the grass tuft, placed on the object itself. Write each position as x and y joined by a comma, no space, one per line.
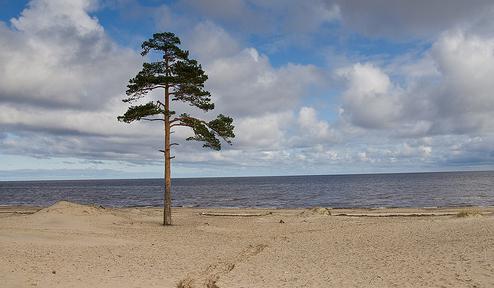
211,283
321,211
185,283
469,213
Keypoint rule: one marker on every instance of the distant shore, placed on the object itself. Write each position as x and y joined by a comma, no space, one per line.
71,245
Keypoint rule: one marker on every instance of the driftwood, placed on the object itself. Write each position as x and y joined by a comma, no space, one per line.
399,214
18,212
235,214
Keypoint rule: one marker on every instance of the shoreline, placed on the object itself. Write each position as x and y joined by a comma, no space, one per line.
406,211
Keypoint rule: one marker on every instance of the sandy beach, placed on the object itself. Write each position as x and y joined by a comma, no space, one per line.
71,245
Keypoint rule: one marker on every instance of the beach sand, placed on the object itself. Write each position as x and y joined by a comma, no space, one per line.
71,245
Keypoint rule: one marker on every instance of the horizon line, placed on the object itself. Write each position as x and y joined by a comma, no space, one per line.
256,176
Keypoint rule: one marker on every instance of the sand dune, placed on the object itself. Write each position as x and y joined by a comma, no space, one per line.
72,245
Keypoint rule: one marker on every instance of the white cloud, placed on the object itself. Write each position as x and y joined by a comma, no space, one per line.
56,55
313,129
447,91
246,83
464,99
60,85
209,41
43,16
370,99
264,132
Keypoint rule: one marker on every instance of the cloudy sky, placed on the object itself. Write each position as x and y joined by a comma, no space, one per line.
315,87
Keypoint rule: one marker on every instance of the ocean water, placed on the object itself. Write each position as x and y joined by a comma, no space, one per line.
337,191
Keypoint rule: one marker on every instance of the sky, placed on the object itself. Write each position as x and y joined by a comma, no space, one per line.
314,87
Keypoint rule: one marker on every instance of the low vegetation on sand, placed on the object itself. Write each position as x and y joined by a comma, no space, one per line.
469,213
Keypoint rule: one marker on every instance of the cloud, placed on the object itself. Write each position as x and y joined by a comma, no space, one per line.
287,20
471,151
139,13
370,99
264,132
300,17
464,99
447,91
409,19
67,108
70,122
283,20
235,12
60,86
246,83
312,129
68,174
43,16
209,42
56,55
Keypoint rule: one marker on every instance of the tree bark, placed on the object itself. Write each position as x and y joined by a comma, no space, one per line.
167,213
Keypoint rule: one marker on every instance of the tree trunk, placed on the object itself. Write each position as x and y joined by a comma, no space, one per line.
167,212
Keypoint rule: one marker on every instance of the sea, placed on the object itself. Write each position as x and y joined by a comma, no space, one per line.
443,189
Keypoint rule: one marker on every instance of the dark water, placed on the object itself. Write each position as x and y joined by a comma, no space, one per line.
381,190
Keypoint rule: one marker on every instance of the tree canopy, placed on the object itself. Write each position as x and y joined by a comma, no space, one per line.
183,79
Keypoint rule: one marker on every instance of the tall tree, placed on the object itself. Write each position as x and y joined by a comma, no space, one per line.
182,79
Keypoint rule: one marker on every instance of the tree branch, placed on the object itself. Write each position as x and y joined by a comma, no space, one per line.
182,118
153,119
152,88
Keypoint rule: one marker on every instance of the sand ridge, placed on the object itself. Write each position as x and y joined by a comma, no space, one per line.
67,215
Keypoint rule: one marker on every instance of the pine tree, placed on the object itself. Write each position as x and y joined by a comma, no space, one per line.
181,79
